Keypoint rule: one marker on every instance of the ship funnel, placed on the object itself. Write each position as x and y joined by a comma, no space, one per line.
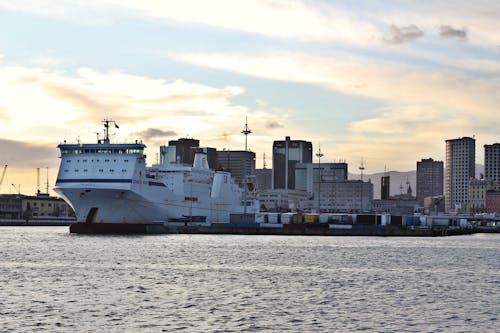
200,161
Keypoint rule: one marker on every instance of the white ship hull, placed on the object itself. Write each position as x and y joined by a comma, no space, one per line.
110,183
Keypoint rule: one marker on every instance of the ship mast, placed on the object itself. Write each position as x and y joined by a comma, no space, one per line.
106,123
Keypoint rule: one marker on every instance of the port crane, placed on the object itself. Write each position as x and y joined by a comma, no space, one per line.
3,175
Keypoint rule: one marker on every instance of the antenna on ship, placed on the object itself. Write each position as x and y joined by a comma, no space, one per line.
106,129
264,161
246,131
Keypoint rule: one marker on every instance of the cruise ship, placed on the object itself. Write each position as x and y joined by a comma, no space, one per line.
111,188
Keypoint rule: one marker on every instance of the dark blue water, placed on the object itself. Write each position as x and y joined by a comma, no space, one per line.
56,282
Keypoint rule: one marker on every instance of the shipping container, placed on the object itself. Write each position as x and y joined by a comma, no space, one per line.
261,218
366,219
242,218
340,226
274,217
271,225
324,218
241,224
294,226
441,222
367,227
396,220
288,218
311,218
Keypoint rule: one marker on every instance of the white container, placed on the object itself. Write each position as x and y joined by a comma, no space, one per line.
271,225
340,226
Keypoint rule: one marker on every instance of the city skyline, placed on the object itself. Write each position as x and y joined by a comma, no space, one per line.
386,82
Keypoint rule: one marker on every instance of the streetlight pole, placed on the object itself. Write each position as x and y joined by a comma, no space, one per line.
319,155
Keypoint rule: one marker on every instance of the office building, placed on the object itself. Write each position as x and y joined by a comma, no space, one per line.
430,179
492,162
179,151
385,185
239,163
460,168
476,202
286,155
264,179
307,175
343,196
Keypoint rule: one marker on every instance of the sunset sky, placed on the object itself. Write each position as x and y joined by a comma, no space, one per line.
385,82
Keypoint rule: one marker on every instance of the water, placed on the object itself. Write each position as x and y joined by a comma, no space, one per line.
56,282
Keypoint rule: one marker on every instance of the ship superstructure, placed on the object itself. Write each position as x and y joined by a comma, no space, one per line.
109,182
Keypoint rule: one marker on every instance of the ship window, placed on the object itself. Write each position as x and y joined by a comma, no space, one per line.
76,170
66,170
85,170
114,160
111,170
68,161
125,161
101,170
124,170
106,160
84,161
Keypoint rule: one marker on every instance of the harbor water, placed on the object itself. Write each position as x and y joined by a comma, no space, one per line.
54,281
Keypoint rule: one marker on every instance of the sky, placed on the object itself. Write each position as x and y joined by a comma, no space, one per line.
383,82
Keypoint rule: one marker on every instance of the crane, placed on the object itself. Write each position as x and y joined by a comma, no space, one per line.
3,175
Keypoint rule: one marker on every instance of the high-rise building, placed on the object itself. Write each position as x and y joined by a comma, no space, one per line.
460,167
385,185
430,179
179,151
286,154
239,163
492,162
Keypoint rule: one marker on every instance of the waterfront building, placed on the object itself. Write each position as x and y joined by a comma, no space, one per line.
10,206
19,206
239,163
343,196
434,205
45,206
430,179
460,168
264,179
307,175
286,155
493,201
476,202
395,206
492,162
282,200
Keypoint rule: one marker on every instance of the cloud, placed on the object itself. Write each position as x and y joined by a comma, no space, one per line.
421,104
19,154
272,124
403,34
4,117
446,31
155,133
